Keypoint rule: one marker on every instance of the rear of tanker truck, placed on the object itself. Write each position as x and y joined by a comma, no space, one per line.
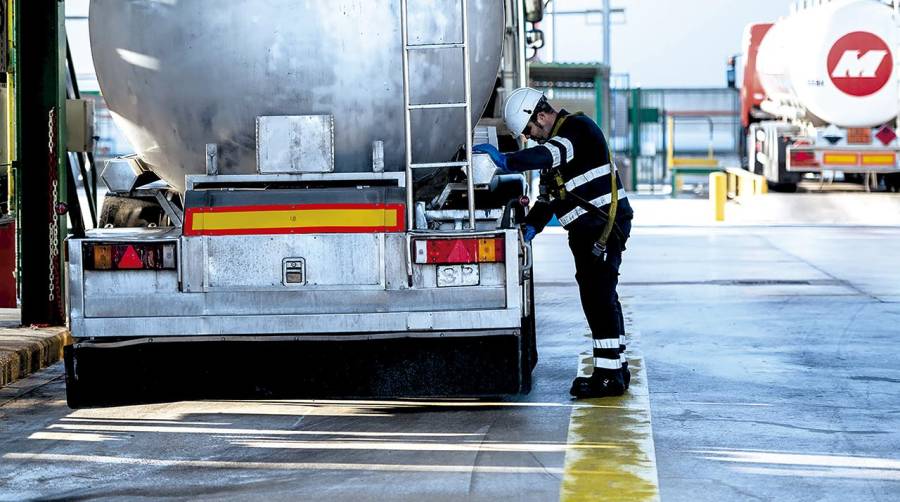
820,93
279,244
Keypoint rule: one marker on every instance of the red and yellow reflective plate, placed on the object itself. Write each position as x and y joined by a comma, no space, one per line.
294,219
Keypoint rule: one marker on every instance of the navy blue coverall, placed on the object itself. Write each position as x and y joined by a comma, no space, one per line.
578,152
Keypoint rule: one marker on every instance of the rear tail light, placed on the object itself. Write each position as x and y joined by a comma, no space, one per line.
801,158
459,251
109,256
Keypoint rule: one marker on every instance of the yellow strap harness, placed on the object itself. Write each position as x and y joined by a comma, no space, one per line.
614,183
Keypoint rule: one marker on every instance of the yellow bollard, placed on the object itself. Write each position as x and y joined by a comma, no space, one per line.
718,193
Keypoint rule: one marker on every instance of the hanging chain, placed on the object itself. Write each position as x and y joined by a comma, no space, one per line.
53,227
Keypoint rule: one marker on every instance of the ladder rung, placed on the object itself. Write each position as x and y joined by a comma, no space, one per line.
434,106
435,46
438,164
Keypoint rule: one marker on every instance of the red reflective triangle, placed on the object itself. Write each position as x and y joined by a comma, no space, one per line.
459,253
130,260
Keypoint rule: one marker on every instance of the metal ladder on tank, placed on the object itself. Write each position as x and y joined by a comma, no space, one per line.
409,107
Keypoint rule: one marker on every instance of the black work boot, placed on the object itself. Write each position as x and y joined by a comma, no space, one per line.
603,383
626,375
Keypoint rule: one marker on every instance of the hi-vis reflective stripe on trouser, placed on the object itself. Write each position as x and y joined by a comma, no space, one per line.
570,150
554,151
607,343
607,364
580,211
577,181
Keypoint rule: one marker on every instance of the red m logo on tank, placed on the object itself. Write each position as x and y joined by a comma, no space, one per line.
860,64
856,64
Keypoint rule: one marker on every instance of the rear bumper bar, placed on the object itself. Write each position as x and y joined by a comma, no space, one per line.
307,327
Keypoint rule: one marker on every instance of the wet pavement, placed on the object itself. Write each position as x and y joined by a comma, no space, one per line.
516,448
771,355
770,358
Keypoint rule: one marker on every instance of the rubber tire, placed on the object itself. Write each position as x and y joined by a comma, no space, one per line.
783,187
892,182
128,212
74,391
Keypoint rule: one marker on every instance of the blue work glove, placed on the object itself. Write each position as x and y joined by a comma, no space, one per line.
529,232
498,158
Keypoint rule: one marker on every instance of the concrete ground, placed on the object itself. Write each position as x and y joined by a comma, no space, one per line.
771,359
769,356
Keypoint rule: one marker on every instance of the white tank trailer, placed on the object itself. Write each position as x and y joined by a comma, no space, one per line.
268,221
822,91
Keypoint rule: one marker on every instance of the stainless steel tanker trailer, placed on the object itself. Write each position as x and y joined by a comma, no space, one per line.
304,181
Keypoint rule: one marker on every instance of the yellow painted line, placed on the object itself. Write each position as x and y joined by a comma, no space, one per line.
626,468
300,218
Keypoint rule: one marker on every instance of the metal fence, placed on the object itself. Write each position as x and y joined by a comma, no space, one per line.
706,119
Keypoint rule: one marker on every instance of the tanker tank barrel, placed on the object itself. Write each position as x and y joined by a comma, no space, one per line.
341,58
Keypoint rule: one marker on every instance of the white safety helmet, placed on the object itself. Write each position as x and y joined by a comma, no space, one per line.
519,107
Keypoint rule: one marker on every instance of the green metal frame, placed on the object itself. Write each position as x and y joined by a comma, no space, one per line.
601,88
634,151
594,73
40,40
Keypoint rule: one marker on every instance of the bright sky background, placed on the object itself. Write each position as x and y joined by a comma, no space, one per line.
662,43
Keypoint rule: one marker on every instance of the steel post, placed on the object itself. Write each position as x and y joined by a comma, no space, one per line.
607,28
635,149
40,153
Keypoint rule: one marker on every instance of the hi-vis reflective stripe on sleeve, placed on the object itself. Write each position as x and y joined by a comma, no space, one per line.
554,151
577,181
570,150
580,211
294,219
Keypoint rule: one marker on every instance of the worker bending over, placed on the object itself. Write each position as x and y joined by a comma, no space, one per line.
576,185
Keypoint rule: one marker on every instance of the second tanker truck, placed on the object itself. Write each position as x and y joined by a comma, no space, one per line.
821,91
304,179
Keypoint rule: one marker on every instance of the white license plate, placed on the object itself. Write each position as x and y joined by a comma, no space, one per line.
449,276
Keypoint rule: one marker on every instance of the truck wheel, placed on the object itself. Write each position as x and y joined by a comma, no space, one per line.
892,182
787,187
128,212
74,398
